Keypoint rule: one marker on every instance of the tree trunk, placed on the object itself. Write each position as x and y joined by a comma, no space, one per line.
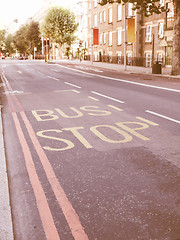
176,39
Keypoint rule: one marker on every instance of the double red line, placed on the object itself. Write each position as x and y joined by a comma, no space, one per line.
72,218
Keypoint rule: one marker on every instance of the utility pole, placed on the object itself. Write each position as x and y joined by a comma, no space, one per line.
125,37
91,33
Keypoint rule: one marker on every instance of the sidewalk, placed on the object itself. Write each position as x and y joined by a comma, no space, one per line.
166,71
6,229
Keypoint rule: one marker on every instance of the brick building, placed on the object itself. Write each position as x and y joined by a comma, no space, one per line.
148,39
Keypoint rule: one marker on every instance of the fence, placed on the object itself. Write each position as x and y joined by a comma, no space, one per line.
131,61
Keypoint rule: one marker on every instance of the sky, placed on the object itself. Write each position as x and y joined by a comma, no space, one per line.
22,9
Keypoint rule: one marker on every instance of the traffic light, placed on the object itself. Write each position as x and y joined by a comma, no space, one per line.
44,41
47,41
80,43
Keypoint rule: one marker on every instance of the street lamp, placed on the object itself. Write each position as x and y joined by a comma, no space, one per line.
125,37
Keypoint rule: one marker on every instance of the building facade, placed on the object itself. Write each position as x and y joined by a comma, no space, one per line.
146,39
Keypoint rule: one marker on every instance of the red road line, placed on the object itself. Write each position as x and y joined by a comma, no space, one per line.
69,212
44,211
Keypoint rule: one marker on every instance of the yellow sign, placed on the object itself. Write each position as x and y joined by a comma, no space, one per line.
131,30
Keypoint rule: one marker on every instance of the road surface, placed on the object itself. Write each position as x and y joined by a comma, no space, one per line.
91,153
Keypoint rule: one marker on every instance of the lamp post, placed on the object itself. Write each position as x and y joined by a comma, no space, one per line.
91,33
125,37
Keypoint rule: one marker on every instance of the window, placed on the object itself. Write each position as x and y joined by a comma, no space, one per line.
110,57
148,33
95,20
170,15
100,17
110,38
100,38
104,16
90,23
119,12
130,11
160,57
110,15
90,40
90,5
148,59
119,37
161,29
119,57
95,3
161,3
129,58
104,38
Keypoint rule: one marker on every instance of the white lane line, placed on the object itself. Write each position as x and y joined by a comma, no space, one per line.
19,72
160,115
72,84
95,99
53,78
121,80
54,70
116,100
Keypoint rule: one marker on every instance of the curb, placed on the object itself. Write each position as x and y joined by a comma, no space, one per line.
6,226
128,71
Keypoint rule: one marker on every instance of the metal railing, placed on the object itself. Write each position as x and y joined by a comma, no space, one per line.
130,61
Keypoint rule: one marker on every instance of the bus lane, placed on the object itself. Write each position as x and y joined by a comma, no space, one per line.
92,147
93,168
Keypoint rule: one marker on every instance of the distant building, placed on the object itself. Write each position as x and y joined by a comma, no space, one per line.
80,10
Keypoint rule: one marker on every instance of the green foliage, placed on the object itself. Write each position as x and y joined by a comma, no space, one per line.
20,41
2,40
28,37
59,25
145,7
9,44
33,36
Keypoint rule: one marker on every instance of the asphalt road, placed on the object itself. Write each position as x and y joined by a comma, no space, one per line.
91,153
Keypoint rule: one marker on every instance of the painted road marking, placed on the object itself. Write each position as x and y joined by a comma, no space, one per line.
55,70
53,78
95,99
163,116
147,121
72,218
116,108
121,80
19,72
71,90
42,204
88,68
125,130
102,95
48,115
72,84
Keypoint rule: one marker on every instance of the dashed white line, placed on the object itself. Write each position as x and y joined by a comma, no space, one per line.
19,72
54,70
53,78
102,95
163,116
72,84
121,80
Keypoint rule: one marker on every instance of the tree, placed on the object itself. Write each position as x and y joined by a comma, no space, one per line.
2,40
20,40
33,36
28,37
147,7
59,25
9,44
